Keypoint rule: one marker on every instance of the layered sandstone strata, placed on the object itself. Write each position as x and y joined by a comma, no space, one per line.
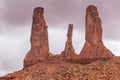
94,48
39,39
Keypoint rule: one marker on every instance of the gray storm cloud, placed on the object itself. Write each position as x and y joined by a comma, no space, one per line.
16,20
18,12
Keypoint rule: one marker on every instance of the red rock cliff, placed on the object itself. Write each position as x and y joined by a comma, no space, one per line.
39,39
94,48
69,52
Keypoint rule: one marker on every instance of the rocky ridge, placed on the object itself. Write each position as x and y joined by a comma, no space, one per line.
61,70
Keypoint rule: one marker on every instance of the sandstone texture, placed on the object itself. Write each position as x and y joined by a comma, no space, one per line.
39,39
69,52
61,70
94,48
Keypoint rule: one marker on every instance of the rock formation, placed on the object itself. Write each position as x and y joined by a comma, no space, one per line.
69,52
39,39
94,48
57,69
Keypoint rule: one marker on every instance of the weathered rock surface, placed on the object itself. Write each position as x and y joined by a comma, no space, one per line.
39,39
61,70
69,52
94,48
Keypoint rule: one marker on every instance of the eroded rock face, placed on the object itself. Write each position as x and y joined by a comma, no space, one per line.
69,52
94,48
39,39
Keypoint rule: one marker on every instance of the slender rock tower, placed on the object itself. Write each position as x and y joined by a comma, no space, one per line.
94,48
69,52
39,39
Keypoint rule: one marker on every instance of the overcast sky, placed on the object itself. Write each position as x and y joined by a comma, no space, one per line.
16,20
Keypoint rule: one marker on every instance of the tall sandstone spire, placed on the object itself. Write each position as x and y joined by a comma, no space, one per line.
69,52
39,39
94,48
